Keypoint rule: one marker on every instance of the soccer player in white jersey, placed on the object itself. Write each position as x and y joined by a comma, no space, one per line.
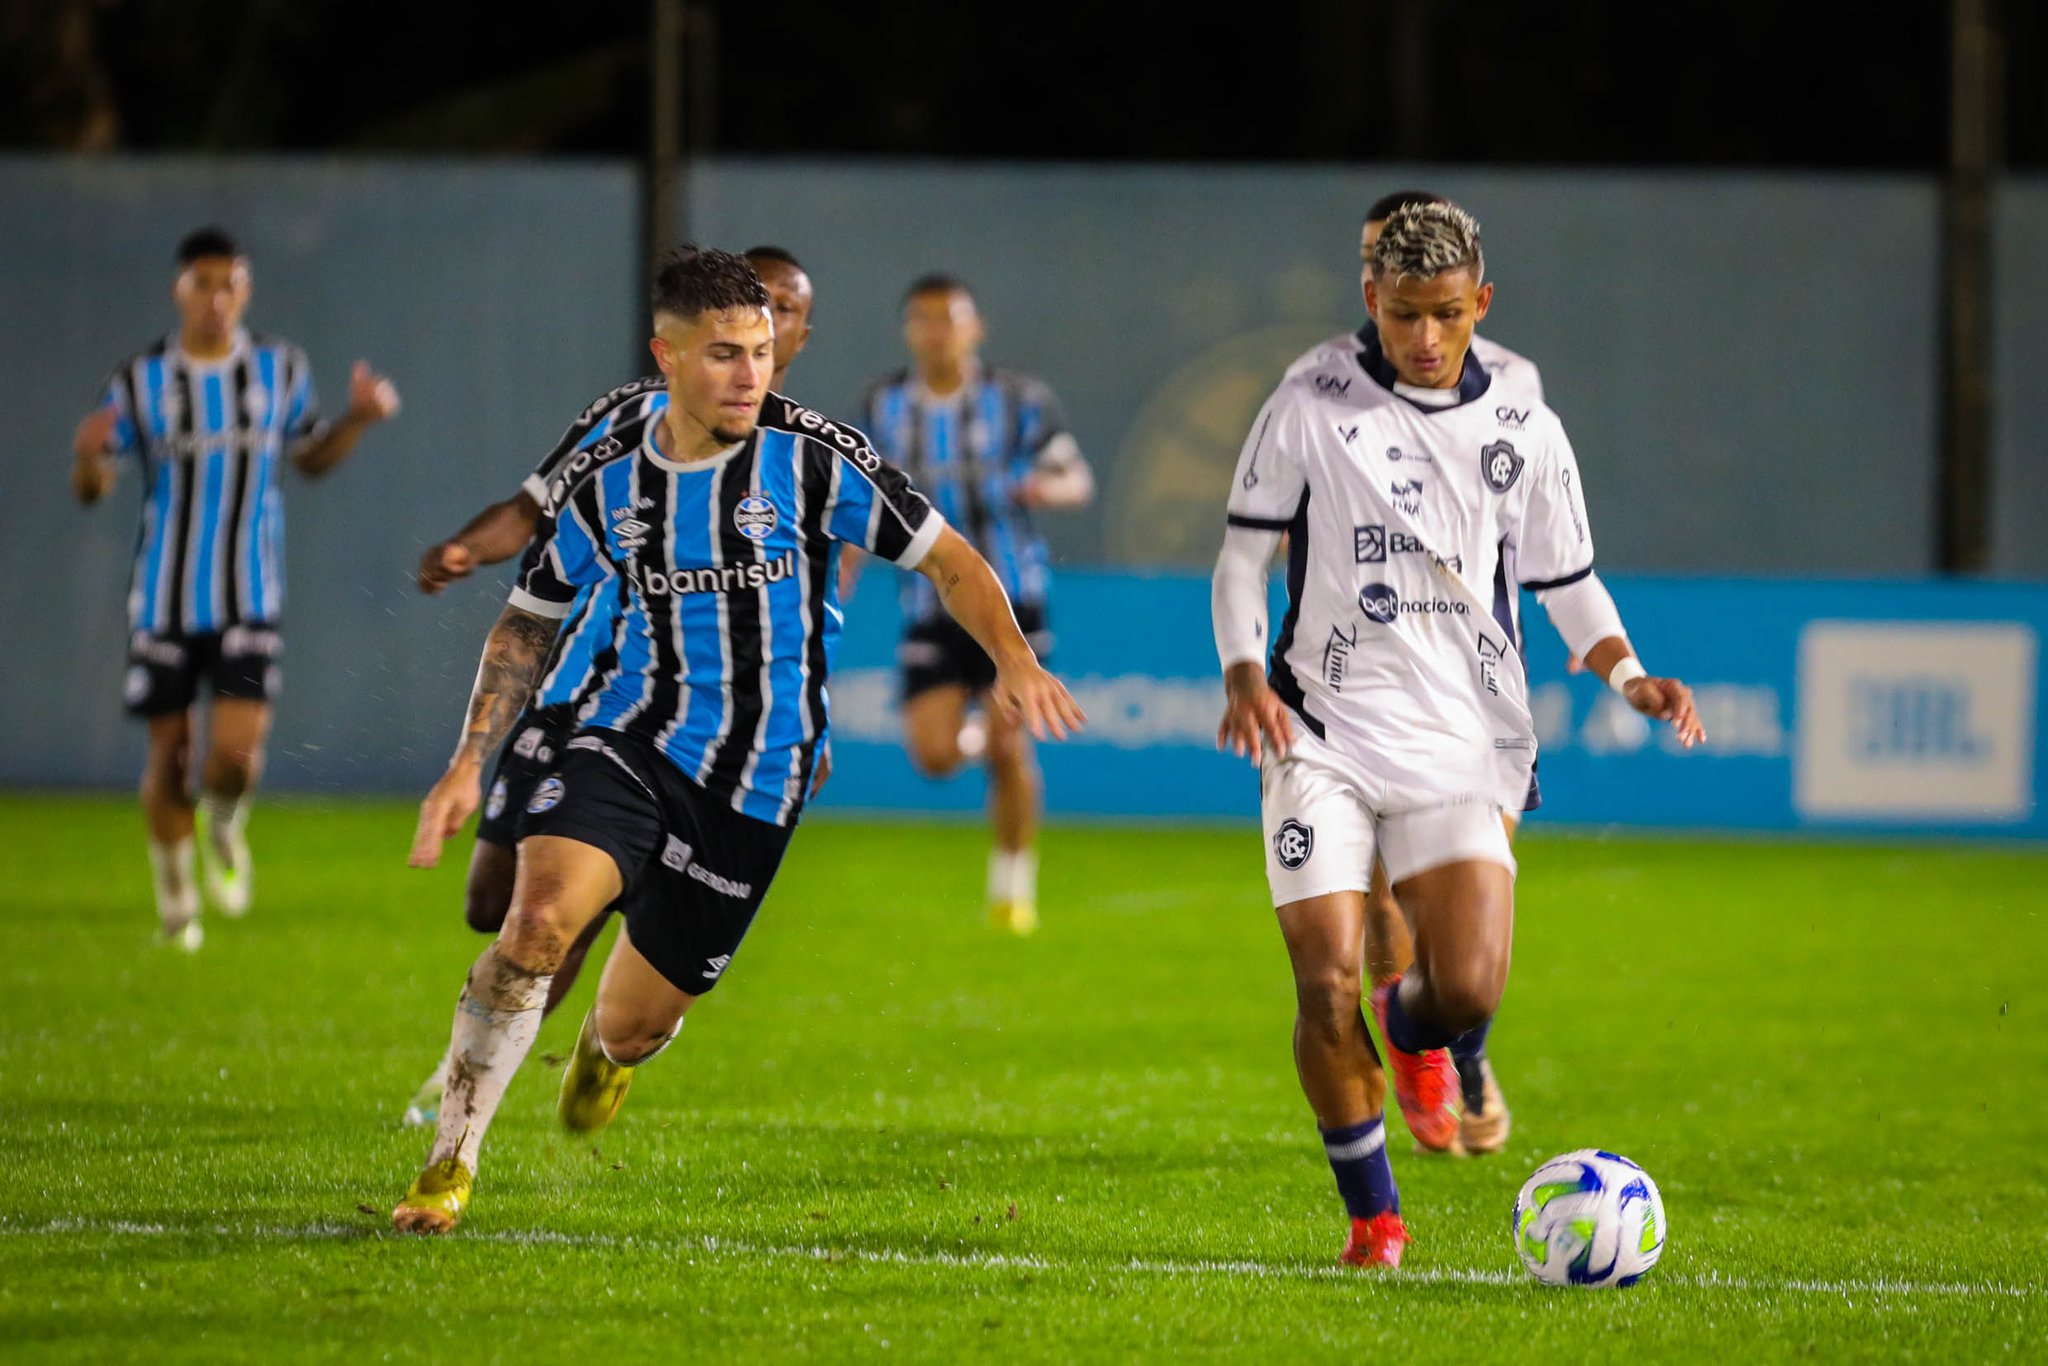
717,521
1425,1086
1390,718
210,415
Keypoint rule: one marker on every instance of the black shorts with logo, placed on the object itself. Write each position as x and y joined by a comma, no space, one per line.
695,869
164,668
537,741
938,651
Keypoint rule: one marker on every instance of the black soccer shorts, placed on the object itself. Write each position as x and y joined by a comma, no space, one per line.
938,651
164,668
538,740
695,869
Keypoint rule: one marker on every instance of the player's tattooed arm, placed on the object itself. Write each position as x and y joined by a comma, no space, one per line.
514,657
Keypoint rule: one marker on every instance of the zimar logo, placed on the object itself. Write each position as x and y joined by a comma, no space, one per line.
724,579
1382,604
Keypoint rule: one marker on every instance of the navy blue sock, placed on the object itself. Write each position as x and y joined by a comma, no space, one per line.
1409,1034
1468,1048
1358,1157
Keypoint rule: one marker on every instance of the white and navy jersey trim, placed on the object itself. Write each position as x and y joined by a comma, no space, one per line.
724,572
210,437
971,452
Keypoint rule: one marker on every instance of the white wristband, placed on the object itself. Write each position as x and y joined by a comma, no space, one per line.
1626,672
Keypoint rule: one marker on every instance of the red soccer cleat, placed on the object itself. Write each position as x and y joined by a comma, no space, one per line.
1377,1241
1424,1083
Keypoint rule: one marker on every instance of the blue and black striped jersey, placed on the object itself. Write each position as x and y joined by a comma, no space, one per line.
725,575
210,437
971,452
589,640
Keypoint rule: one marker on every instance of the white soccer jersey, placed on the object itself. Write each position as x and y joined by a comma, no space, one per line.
1405,509
1514,374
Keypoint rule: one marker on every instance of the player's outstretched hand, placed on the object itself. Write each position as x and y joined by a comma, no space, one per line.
1667,699
371,396
443,564
94,431
1254,717
452,801
1034,699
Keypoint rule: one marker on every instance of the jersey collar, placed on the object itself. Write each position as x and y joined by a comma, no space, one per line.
650,446
238,347
1472,382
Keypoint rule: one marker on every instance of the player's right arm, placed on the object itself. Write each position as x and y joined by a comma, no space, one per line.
566,556
494,535
102,434
1268,493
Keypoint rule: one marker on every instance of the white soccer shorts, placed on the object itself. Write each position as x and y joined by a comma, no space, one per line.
1326,817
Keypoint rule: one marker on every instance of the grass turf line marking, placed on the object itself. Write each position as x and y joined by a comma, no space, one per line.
712,1245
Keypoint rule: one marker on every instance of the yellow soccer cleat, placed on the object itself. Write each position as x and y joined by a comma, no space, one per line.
1018,917
593,1086
436,1198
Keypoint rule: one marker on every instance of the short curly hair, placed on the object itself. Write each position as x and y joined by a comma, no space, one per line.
691,280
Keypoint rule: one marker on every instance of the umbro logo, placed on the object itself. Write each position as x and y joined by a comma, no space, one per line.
716,965
632,533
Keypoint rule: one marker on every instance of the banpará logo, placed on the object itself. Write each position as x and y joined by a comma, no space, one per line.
1369,543
754,518
1501,466
546,797
723,579
1293,842
1511,417
1372,543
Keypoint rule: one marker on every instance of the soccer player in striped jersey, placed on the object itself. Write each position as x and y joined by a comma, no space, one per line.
1390,715
718,521
209,416
1426,1086
991,447
587,640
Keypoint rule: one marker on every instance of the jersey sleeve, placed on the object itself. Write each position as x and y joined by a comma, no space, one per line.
302,402
1045,441
564,556
874,505
1553,542
590,427
126,438
1266,491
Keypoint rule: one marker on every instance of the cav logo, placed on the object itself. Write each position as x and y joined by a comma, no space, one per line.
754,518
546,797
1379,603
1501,466
1511,417
1293,842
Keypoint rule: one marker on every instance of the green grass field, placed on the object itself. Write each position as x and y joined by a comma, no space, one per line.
893,1133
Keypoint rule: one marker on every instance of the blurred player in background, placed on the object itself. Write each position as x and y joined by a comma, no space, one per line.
209,414
1390,719
990,447
717,521
587,640
1425,1087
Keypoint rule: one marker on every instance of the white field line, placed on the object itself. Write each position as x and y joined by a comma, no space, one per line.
713,1246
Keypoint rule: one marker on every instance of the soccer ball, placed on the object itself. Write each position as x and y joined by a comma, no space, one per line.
1589,1218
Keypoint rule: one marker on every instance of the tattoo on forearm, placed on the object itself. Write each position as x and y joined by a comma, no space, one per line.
946,589
514,656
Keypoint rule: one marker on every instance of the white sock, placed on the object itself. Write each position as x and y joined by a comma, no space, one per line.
224,815
1013,875
496,1021
438,1078
177,896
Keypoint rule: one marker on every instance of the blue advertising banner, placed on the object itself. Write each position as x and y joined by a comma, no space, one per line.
1860,706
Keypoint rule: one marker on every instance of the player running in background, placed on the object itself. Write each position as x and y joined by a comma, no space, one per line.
1425,1086
1391,719
718,520
587,639
990,446
209,415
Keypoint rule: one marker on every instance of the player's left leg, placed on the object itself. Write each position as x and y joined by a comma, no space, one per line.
166,793
1485,1125
1015,801
245,680
638,1012
1455,879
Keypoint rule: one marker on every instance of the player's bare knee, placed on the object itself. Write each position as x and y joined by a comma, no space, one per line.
532,935
1327,1001
1464,1000
487,897
632,1040
934,758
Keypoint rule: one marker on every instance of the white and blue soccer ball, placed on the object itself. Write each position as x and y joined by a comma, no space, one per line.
1589,1218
